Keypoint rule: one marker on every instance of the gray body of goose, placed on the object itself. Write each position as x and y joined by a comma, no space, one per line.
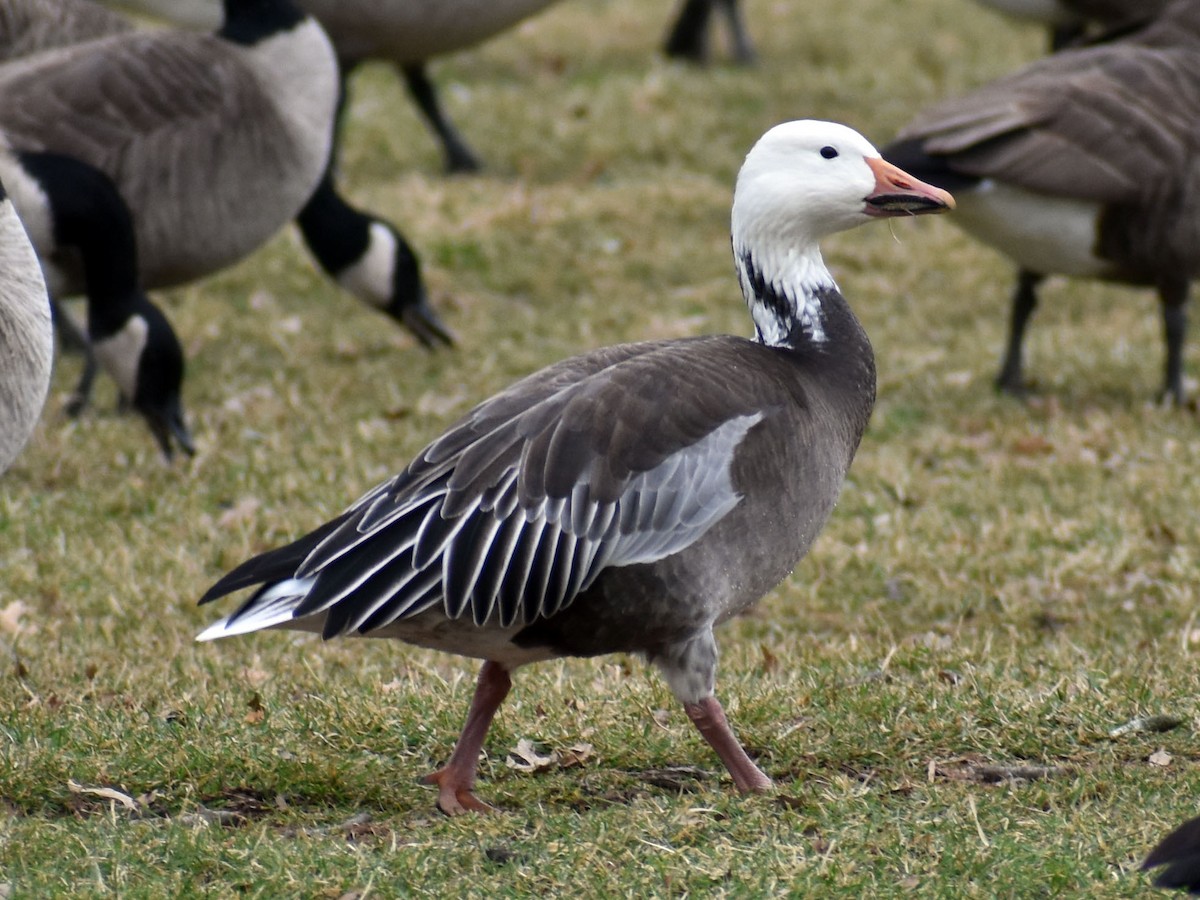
241,114
630,499
1071,20
1179,852
1086,164
411,33
83,234
26,335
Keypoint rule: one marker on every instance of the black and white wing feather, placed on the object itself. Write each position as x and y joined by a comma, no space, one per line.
519,507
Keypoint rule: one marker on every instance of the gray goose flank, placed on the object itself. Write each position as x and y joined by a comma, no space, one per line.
1086,164
629,499
26,335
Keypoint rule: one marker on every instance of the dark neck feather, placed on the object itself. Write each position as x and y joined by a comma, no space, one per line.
806,316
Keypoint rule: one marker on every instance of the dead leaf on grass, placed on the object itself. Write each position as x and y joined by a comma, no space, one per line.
526,757
575,755
105,793
1160,758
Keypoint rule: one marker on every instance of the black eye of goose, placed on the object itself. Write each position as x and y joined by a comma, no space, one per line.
829,152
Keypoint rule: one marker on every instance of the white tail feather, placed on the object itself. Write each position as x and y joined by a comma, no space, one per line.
274,606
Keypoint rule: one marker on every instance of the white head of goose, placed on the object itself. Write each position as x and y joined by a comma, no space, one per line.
630,499
1081,164
26,335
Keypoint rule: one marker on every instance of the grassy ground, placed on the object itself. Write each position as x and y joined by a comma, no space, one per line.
1001,586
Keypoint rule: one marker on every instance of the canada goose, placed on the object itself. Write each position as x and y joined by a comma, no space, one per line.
26,335
1179,851
1070,20
242,147
410,33
630,499
1082,164
83,233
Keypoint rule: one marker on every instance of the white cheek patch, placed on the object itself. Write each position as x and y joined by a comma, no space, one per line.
121,353
370,276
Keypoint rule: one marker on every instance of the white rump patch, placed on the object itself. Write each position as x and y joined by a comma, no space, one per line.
275,606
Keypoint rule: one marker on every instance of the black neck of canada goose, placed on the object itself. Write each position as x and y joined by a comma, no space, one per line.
90,216
371,259
130,336
250,21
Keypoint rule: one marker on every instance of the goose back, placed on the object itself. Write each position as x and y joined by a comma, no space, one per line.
30,26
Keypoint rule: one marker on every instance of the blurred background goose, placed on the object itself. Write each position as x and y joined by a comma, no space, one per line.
242,147
1086,164
1070,21
630,499
410,33
26,335
83,235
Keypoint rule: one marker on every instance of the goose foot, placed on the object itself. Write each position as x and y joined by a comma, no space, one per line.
454,797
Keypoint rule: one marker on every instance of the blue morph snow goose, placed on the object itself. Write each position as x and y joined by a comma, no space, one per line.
1086,164
630,499
26,335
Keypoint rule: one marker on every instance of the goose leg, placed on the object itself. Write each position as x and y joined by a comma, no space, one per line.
743,48
1174,312
1024,302
459,157
74,338
690,669
709,719
456,779
688,37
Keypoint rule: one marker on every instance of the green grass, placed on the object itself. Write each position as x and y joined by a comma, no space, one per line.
1001,584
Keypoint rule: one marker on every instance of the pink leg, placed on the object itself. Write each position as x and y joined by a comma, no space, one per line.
709,718
456,779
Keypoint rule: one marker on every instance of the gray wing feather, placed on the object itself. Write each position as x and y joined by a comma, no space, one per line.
1094,124
521,506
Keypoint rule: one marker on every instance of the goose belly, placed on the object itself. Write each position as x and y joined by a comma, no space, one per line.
412,31
1047,235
